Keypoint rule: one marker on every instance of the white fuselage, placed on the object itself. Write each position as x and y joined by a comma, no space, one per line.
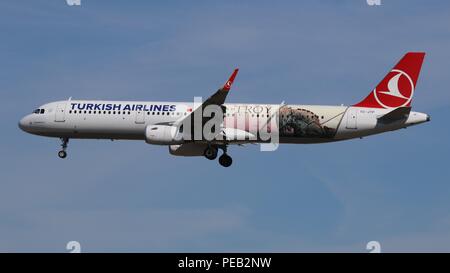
129,120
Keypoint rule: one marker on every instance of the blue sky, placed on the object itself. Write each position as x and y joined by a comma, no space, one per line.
130,196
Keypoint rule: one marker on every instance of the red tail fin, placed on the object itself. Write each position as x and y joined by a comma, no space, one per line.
397,87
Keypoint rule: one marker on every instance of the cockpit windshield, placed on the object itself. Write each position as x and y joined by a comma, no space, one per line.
39,111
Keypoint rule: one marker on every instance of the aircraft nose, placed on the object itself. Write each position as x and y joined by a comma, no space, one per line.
24,124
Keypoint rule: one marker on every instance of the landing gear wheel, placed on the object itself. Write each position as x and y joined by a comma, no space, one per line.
211,153
62,154
225,160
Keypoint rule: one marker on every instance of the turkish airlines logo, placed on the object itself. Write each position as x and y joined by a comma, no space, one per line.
228,85
396,90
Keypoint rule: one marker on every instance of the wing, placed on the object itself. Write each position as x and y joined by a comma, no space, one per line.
218,98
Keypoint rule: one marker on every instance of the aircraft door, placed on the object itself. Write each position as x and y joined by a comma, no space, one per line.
140,117
60,112
352,118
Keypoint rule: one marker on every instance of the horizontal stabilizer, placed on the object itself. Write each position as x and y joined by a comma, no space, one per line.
397,114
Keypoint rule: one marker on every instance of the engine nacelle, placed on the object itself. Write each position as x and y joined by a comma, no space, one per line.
163,135
188,149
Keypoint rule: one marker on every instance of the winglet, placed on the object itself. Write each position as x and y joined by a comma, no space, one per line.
227,85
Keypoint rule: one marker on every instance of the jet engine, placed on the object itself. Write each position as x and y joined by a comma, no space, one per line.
163,135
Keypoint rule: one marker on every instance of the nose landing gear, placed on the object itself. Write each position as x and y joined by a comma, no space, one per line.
63,153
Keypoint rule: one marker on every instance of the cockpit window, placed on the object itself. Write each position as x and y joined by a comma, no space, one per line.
42,111
37,111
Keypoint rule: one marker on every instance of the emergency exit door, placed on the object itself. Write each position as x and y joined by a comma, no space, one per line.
352,119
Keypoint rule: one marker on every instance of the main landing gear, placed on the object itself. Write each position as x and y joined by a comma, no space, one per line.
211,153
225,160
63,153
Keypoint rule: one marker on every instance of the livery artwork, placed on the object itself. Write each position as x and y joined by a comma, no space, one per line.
298,122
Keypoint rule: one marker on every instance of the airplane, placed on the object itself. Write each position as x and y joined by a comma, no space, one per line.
176,124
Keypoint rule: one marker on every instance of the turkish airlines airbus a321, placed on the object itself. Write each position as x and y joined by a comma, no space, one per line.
201,129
